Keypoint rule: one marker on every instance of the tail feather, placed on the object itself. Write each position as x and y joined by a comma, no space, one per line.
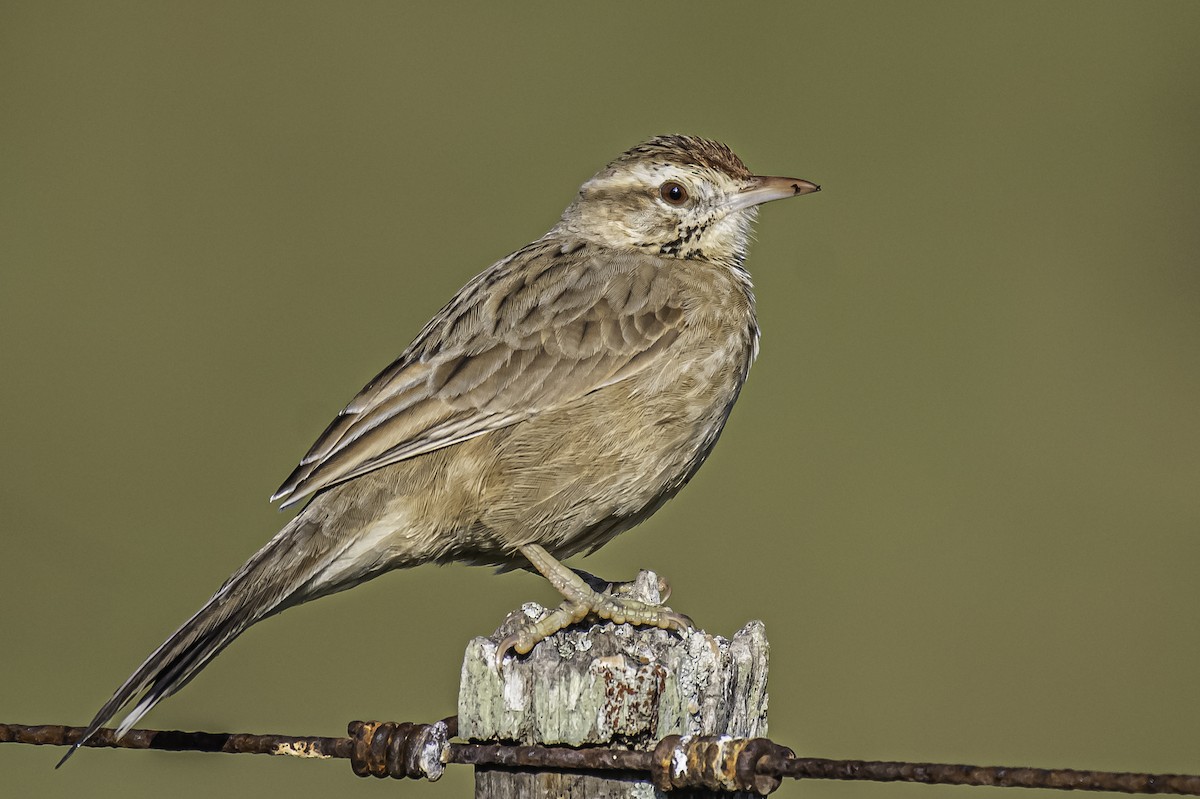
268,583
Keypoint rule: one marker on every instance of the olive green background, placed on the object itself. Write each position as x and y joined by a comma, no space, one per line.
961,486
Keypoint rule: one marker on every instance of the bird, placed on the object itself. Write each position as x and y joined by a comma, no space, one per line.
561,397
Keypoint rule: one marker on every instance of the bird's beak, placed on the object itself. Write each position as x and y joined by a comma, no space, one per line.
761,190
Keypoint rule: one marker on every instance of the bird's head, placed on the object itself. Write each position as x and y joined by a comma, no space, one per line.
679,197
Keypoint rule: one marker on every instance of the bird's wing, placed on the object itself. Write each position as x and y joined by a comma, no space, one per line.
545,326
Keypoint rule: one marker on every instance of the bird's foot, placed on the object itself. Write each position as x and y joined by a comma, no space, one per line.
618,610
621,603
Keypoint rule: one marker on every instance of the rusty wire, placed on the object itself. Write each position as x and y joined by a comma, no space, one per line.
391,749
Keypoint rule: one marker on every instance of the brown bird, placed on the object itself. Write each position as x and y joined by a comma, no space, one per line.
560,398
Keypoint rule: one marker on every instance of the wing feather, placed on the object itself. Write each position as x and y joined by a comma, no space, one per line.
541,328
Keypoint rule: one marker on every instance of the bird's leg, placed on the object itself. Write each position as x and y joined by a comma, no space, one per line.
611,603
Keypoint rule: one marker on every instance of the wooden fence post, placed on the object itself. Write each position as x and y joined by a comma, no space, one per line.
608,685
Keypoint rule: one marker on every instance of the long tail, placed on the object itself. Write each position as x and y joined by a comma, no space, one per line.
279,575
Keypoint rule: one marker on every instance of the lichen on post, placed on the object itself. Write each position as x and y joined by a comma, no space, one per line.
610,685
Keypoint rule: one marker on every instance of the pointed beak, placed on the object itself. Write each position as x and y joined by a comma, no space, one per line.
761,190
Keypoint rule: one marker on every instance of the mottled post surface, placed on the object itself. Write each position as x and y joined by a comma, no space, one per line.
608,685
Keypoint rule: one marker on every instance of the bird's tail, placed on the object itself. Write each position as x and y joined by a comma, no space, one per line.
279,575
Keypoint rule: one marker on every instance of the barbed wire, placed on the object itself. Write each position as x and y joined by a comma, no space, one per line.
421,751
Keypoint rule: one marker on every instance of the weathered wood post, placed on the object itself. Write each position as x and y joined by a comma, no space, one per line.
608,685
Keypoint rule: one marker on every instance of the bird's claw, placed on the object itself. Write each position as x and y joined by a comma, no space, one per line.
530,633
607,607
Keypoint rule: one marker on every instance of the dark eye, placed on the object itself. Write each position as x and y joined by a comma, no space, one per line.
673,193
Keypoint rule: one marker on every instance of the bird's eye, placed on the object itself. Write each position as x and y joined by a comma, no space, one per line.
673,193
